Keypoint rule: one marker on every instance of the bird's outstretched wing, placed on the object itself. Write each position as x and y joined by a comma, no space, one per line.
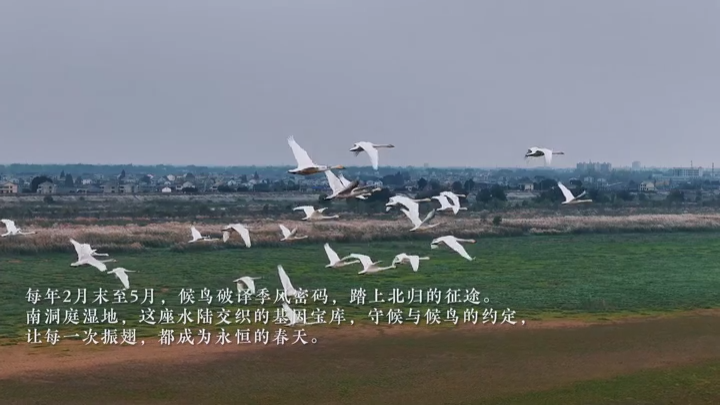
307,208
334,258
195,233
414,262
373,153
456,246
566,193
301,156
96,263
284,279
411,216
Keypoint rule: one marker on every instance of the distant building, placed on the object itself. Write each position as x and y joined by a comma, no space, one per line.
636,165
687,172
528,187
594,167
646,186
115,188
166,190
47,188
8,188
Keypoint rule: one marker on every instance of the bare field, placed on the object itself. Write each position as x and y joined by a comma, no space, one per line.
265,231
545,363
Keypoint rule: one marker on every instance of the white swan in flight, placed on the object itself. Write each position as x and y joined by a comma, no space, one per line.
371,149
248,283
449,202
414,217
305,165
409,203
311,214
569,198
343,188
335,261
454,244
13,230
86,246
413,260
361,193
290,291
290,235
368,265
85,256
241,230
542,152
120,273
293,318
196,236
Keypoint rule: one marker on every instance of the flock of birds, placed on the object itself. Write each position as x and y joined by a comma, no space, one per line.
341,189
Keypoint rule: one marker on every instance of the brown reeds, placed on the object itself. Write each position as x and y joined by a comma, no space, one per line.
265,232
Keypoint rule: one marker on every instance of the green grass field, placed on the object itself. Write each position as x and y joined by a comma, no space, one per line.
667,360
537,277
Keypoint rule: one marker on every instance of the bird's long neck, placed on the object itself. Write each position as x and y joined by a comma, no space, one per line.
384,145
558,153
424,258
465,240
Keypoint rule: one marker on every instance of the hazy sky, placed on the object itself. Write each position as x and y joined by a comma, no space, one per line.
450,83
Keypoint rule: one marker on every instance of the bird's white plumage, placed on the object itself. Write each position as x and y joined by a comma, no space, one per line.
308,209
454,244
195,233
413,260
241,230
444,202
121,274
566,193
285,231
332,256
285,281
248,283
10,225
301,156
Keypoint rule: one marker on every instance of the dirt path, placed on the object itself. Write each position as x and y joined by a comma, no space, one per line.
375,363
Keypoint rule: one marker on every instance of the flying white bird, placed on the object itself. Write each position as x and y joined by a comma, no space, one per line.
454,244
248,283
360,193
290,291
342,188
371,149
335,261
454,200
542,152
85,256
413,260
409,203
240,229
305,165
120,273
293,317
368,265
13,230
86,246
569,198
290,235
196,236
311,214
414,217
445,203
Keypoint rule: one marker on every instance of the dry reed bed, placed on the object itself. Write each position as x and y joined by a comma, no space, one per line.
267,233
